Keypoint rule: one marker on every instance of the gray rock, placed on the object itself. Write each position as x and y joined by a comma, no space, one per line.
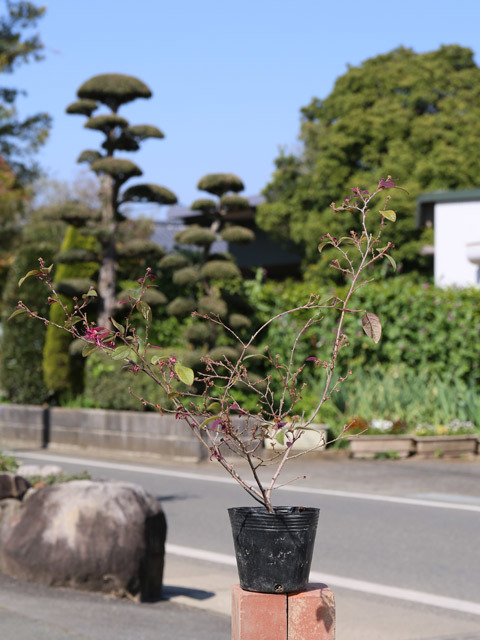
13,486
96,536
31,470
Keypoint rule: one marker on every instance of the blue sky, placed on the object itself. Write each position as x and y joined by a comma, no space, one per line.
228,78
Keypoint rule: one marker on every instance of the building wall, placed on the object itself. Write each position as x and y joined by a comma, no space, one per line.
456,224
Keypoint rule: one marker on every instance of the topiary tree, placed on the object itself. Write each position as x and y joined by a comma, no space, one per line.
77,265
113,90
204,277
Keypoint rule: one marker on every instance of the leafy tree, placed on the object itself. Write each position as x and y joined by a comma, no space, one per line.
12,198
20,138
413,116
208,279
113,91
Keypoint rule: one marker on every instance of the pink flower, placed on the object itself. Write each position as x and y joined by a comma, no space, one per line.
99,335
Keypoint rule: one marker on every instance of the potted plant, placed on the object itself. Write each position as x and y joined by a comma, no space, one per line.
267,538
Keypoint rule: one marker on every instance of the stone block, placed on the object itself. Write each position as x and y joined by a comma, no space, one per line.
258,616
311,614
306,615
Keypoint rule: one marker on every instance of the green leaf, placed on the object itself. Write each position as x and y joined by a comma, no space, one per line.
206,421
91,293
322,246
16,313
392,261
389,214
214,406
280,437
118,326
88,348
156,359
372,326
185,374
145,310
255,355
173,394
33,272
122,353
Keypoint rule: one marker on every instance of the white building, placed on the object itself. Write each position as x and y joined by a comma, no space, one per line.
455,217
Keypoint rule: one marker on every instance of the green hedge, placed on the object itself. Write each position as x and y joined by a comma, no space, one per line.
430,346
108,385
424,327
23,338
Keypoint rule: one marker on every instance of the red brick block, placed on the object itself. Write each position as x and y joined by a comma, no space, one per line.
311,614
258,616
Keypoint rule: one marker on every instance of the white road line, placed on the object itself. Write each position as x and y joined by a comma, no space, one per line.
418,597
416,502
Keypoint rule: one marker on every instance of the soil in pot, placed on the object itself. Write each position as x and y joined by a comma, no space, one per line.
274,550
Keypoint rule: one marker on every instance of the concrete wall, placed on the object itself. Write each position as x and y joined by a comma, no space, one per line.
132,432
456,224
22,424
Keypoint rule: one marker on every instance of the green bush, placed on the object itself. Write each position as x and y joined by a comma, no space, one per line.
424,369
109,385
424,327
22,339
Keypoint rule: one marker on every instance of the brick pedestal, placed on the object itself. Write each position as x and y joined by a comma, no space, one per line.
309,615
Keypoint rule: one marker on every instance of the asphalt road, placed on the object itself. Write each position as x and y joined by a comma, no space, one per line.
410,546
388,524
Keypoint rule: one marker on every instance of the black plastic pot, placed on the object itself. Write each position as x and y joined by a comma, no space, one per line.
274,550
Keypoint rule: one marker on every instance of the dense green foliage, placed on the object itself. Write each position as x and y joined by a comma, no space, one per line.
413,116
20,138
60,371
426,363
109,386
113,89
22,339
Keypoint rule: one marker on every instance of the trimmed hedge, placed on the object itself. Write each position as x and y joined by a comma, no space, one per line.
60,371
23,338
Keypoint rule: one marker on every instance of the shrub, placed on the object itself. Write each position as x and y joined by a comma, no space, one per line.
108,385
22,340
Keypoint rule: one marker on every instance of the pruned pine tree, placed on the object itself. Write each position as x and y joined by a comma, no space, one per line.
112,91
206,277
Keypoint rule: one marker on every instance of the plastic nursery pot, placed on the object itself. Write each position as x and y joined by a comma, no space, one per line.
274,550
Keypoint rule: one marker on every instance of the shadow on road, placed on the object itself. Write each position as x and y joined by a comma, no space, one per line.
171,591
